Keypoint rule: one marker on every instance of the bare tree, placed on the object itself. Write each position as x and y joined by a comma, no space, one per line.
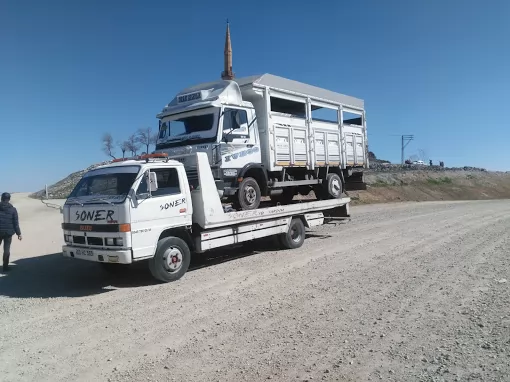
146,138
423,155
414,158
108,145
124,146
132,144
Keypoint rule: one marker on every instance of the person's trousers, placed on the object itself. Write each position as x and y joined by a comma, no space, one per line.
7,240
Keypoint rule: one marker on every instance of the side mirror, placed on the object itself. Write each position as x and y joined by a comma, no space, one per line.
152,181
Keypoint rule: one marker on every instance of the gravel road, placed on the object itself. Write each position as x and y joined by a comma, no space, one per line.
404,292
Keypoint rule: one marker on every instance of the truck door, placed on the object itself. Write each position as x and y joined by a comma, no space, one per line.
152,213
240,144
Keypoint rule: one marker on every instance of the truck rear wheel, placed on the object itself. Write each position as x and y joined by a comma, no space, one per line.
248,195
171,260
331,188
334,186
295,236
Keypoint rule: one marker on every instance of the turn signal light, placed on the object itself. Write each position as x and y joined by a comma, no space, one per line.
125,227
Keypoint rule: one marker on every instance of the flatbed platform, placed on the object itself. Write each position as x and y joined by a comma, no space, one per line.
208,210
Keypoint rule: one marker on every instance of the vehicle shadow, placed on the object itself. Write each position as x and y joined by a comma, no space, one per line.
53,275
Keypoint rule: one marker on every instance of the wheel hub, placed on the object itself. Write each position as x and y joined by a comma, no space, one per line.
294,235
173,259
335,187
250,194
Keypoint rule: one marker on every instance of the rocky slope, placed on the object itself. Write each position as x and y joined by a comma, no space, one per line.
427,184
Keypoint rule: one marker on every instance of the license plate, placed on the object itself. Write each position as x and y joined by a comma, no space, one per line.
84,252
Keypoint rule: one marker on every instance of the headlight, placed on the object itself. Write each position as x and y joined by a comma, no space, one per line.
119,241
109,241
67,238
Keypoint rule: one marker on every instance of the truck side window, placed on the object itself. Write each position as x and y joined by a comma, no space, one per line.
163,129
235,124
142,187
168,182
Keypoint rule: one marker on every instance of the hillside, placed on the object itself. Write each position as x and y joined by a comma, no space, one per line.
388,183
432,184
63,188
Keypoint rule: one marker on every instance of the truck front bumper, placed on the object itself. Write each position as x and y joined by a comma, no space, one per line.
98,255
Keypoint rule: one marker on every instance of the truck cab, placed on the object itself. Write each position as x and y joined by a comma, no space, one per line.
117,213
215,120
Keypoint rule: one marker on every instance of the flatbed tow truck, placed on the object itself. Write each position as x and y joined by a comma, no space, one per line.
145,208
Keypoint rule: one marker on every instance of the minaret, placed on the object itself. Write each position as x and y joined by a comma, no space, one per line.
227,73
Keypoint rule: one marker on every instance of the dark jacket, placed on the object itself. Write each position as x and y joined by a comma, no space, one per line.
9,223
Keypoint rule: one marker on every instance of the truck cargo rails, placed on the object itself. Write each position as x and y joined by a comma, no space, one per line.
145,209
268,136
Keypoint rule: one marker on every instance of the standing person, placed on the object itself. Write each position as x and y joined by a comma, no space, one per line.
9,225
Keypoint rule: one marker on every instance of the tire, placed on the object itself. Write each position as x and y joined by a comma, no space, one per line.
248,195
285,197
333,187
295,236
171,260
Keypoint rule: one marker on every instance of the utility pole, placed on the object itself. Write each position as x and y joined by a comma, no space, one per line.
405,141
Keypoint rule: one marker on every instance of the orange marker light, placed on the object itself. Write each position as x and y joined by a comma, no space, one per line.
125,227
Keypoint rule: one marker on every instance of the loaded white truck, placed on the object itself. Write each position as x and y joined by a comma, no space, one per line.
145,209
268,136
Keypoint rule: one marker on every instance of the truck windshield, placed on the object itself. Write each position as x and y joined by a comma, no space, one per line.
110,185
187,128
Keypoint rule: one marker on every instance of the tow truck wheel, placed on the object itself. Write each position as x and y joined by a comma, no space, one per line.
295,236
171,260
248,195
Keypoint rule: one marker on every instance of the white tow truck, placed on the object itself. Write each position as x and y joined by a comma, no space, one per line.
145,209
268,136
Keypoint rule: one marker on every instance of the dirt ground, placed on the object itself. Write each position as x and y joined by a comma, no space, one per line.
403,292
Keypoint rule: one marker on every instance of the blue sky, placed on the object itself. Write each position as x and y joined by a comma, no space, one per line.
70,71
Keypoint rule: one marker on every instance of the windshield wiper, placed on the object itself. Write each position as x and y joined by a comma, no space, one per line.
74,200
98,200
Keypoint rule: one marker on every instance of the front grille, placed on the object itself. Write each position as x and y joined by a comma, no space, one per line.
95,240
79,239
90,240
